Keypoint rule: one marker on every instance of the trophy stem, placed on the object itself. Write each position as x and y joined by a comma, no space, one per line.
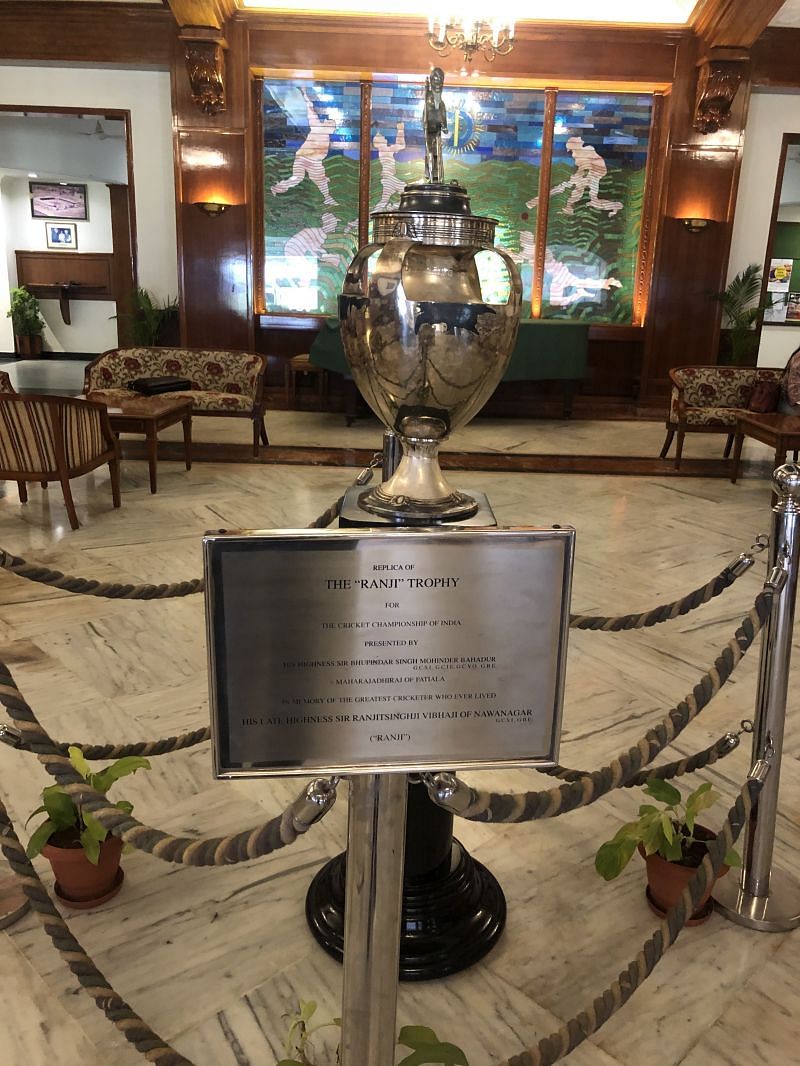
418,490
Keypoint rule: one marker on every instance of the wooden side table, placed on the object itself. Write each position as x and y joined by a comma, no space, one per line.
781,432
148,415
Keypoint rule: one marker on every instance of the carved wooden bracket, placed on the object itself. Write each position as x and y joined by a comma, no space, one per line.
718,81
205,63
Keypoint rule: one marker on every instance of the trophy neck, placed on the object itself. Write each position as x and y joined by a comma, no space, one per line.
434,213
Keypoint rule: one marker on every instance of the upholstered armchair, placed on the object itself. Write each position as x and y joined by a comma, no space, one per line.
707,399
55,438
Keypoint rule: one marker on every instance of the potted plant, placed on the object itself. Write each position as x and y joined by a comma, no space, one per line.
742,307
84,856
672,843
26,321
148,323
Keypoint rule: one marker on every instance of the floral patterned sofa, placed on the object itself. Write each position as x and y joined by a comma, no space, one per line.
707,399
223,383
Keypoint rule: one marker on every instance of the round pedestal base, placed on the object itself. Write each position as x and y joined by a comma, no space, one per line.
452,916
408,511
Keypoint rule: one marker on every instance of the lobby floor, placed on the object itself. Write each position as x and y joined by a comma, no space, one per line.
214,959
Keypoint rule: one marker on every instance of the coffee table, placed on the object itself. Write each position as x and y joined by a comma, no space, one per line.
781,432
149,415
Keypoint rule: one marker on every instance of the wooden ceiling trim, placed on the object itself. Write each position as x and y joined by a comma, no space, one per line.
39,31
733,23
213,13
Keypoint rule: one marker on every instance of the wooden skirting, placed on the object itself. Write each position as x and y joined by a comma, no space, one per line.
641,466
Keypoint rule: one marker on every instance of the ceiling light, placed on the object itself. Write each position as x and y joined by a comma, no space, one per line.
470,34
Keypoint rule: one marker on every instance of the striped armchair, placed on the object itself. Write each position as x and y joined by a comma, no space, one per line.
55,438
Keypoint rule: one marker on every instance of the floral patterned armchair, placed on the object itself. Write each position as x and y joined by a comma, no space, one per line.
222,383
707,399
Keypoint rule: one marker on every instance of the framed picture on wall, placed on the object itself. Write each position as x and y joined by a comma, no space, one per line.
62,235
58,200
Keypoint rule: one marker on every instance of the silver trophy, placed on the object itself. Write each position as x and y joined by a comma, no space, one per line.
429,315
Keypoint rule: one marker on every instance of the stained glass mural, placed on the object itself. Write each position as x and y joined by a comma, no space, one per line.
596,200
492,146
311,163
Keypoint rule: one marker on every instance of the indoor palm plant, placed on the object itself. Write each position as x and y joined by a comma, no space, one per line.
27,321
742,306
84,856
672,843
150,323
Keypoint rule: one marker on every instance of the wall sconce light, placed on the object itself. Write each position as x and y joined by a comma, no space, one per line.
697,225
211,208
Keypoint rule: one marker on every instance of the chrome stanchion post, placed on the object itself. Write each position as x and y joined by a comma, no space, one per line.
765,897
374,886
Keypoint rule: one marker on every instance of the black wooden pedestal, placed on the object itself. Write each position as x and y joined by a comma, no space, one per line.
453,908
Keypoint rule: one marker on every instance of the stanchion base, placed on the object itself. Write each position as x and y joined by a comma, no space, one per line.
452,917
13,901
777,912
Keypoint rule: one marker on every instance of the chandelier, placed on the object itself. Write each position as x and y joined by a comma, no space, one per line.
470,34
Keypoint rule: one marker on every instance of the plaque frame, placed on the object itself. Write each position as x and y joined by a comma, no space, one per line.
218,543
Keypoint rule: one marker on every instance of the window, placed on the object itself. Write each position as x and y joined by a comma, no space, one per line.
594,187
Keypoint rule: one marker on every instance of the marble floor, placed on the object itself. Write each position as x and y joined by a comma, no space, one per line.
215,958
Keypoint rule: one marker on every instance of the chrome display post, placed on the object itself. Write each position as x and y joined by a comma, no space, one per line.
764,897
375,853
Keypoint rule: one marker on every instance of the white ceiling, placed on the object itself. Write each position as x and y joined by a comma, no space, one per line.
789,14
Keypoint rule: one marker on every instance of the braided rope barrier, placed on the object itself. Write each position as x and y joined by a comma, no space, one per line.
481,806
135,1031
707,757
17,738
547,1051
20,567
114,590
713,588
564,1040
297,818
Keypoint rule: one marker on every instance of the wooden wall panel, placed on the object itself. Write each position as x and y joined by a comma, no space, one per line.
774,58
581,55
214,272
35,31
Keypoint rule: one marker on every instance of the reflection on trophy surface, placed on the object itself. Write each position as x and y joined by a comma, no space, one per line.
429,314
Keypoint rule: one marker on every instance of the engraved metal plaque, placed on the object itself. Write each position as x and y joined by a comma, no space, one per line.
361,651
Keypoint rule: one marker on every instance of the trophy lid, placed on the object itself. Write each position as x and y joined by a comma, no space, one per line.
434,213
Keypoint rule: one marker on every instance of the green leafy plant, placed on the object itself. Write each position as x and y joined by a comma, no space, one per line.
77,824
149,319
669,831
741,306
24,313
426,1049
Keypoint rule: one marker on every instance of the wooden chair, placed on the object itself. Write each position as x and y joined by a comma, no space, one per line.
55,438
301,364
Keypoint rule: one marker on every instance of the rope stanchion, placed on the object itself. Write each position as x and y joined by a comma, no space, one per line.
713,588
560,1043
135,1031
480,806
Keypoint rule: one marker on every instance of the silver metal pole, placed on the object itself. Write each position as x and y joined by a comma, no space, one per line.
376,833
764,897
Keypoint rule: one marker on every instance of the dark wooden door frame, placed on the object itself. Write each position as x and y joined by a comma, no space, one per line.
123,209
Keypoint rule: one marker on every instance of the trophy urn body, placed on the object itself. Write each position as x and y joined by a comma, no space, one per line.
429,315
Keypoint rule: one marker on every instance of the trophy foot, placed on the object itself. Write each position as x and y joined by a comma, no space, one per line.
452,916
406,510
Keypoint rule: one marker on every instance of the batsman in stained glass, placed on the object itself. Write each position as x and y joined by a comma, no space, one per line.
311,165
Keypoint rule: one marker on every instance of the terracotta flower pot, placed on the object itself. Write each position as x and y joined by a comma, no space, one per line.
79,883
666,882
